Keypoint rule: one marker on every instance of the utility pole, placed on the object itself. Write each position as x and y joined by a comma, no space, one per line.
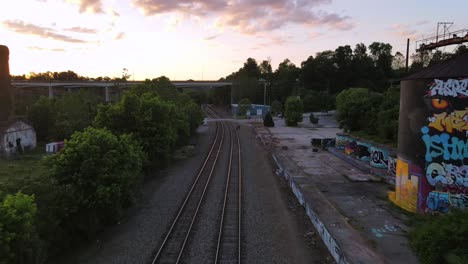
407,55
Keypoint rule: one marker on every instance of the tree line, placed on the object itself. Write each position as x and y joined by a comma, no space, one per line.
318,79
87,185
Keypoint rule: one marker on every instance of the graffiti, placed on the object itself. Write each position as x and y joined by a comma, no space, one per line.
451,87
391,165
378,157
447,174
439,145
363,151
438,202
341,141
456,120
386,229
406,191
459,201
351,147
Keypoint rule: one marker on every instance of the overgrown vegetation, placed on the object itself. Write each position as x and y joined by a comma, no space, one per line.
440,239
294,110
372,114
49,204
244,106
58,118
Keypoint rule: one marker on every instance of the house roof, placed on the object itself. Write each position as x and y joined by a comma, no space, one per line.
453,68
4,125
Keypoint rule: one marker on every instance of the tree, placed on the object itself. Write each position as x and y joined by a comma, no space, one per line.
357,109
266,70
294,110
99,171
244,86
251,68
244,106
18,238
285,77
42,114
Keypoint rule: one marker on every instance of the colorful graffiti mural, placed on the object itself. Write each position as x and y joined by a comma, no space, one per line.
341,141
445,122
445,184
406,189
379,157
450,87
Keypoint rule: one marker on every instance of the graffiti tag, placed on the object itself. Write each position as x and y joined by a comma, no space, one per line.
378,158
450,148
447,174
451,87
457,120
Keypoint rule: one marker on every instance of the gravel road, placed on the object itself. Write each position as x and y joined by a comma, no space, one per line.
275,227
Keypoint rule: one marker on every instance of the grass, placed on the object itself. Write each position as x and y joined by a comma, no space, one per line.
18,172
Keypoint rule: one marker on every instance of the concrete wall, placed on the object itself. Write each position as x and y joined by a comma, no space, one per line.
432,165
380,157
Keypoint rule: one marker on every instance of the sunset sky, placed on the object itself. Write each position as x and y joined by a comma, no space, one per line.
204,39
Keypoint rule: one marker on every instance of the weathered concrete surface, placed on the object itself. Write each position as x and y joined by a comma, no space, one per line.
347,206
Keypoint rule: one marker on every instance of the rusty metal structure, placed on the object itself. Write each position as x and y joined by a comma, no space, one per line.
442,39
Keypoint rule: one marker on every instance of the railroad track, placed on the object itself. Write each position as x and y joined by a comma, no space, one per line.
229,245
228,248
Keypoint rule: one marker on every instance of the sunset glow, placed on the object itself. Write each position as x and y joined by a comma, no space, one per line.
203,39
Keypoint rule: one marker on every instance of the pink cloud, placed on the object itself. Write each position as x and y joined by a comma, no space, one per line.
252,16
22,27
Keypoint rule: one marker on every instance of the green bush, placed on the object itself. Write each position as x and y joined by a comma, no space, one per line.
294,110
441,239
158,116
18,238
244,106
268,120
97,172
357,109
42,114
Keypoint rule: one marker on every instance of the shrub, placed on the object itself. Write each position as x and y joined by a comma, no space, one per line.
441,239
294,110
268,120
357,109
244,106
18,238
98,172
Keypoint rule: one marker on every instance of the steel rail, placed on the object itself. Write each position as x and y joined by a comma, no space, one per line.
230,205
202,169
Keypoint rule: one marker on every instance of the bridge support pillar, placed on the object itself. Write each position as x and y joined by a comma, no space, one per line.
51,92
107,94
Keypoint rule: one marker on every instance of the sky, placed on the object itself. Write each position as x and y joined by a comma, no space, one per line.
204,39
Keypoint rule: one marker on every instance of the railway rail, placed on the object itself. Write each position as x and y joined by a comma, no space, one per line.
228,246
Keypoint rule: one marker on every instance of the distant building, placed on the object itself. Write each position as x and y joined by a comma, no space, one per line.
16,136
54,147
255,110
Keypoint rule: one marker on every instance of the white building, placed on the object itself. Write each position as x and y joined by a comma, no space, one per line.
16,136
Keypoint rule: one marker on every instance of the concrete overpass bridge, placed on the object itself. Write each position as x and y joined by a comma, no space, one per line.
106,88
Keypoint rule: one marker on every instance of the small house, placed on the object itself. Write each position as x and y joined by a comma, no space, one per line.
16,136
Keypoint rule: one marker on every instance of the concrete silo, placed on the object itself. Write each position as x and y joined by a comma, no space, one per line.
432,164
